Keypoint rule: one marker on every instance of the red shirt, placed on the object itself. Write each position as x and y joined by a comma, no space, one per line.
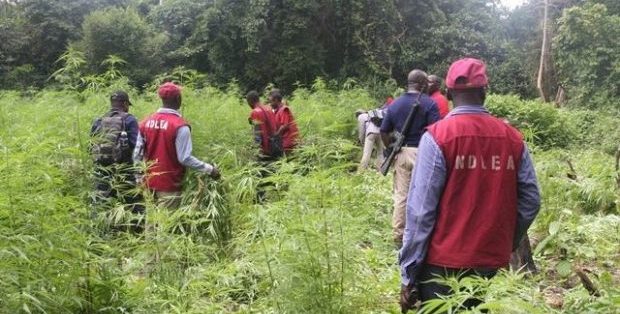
264,117
442,103
477,212
165,174
284,116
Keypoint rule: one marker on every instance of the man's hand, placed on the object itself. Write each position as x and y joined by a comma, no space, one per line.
215,174
408,297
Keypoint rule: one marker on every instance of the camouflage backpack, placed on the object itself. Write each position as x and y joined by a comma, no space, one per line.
110,142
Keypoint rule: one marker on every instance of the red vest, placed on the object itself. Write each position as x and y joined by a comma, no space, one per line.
477,211
264,116
290,137
159,131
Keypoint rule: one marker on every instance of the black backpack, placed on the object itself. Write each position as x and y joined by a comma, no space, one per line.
110,141
376,116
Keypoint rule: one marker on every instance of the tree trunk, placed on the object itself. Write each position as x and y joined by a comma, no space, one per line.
543,71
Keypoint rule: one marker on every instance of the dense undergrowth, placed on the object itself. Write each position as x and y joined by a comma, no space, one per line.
320,243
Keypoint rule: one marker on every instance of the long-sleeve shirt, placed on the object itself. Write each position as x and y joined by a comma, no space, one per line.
427,184
183,145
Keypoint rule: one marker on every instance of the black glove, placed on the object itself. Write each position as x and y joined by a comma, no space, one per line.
408,297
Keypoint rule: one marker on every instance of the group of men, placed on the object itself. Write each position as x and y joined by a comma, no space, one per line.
465,189
274,126
162,140
369,122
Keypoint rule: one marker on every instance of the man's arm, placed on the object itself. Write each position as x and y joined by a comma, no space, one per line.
286,122
426,187
183,144
361,128
387,126
138,151
258,139
255,122
132,129
528,203
385,138
432,115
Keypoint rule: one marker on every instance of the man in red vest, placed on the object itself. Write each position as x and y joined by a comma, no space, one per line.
434,90
287,127
474,192
165,144
263,121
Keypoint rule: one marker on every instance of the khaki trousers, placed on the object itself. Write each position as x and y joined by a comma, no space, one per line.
371,142
169,200
403,168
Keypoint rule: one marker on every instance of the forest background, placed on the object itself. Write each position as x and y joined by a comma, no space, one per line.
291,42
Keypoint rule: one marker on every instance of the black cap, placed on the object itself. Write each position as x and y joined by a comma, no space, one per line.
120,96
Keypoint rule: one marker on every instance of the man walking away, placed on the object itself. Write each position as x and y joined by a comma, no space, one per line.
434,90
474,192
287,127
113,139
165,144
370,137
394,120
263,123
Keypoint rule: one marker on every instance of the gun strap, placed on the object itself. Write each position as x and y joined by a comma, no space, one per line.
411,115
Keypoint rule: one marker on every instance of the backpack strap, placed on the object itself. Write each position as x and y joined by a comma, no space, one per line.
123,115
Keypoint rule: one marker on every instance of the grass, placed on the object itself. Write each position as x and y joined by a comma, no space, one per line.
319,244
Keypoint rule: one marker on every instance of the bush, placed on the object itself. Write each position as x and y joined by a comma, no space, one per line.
541,124
123,33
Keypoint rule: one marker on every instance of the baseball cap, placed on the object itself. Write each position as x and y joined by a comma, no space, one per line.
120,95
468,72
169,90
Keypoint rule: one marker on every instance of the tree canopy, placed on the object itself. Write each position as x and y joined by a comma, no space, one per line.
292,42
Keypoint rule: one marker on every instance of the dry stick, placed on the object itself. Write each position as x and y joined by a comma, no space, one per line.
618,166
572,174
587,283
544,55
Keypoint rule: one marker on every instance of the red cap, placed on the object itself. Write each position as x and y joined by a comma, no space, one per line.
472,72
169,90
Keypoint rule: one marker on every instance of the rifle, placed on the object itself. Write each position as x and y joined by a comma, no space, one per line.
399,138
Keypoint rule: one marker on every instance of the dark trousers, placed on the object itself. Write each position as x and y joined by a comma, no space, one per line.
432,290
116,184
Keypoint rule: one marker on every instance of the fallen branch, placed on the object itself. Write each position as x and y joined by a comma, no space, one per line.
587,283
572,174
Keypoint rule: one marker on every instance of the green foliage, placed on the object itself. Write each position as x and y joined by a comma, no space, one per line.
597,128
70,73
541,124
122,33
320,242
588,54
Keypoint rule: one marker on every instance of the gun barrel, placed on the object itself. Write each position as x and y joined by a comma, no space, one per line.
396,145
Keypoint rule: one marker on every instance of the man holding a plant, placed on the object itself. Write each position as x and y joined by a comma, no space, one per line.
263,122
287,127
165,144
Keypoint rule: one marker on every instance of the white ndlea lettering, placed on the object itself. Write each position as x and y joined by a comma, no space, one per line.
473,162
157,124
